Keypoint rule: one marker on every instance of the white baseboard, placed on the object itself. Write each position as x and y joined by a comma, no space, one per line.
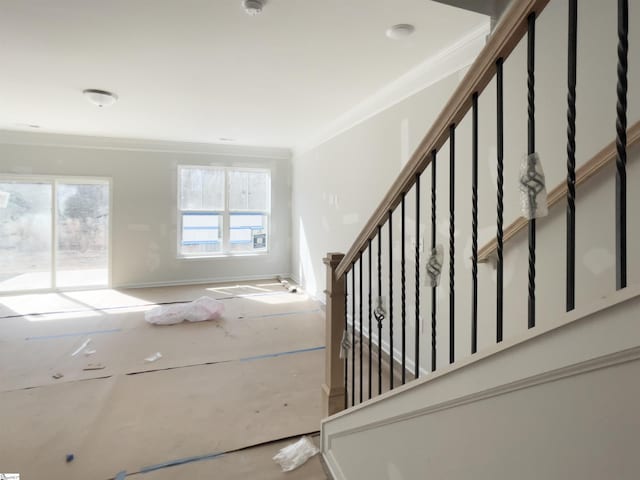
397,353
202,281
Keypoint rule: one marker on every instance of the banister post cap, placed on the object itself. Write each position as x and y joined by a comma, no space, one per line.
333,259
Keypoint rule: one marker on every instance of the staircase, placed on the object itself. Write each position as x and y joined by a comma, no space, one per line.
495,353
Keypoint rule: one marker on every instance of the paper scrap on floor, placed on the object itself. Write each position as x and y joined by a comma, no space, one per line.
153,358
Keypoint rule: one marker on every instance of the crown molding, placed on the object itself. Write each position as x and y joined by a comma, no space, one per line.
12,137
447,61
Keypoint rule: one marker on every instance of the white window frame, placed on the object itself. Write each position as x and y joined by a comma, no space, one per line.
54,180
225,214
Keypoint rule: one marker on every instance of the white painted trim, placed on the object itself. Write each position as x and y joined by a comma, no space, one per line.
320,298
332,465
616,358
172,283
455,57
145,145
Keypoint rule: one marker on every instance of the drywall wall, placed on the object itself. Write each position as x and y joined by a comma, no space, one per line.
512,413
144,201
338,185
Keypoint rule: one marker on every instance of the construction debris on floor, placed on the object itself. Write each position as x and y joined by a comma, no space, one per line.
295,455
221,387
200,310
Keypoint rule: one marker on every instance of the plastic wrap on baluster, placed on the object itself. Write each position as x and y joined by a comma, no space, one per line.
204,308
345,345
294,455
533,189
434,266
379,312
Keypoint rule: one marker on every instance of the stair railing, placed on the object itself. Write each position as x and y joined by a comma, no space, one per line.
343,366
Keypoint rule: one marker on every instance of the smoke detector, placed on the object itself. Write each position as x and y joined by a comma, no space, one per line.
100,98
253,7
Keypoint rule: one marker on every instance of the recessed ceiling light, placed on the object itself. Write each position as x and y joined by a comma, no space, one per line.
253,7
101,98
402,30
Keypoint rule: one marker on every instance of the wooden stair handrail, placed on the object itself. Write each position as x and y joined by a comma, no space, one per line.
583,173
507,34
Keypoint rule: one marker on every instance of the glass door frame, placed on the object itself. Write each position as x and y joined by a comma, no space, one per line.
54,180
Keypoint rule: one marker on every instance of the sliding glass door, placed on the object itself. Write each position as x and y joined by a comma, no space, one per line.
54,233
25,235
82,234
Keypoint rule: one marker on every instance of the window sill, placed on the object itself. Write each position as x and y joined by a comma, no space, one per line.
222,255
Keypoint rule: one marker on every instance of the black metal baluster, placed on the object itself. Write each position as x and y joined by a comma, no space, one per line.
452,246
417,301
353,334
621,145
474,226
433,246
379,321
390,301
531,39
360,312
346,332
403,312
571,156
500,195
370,331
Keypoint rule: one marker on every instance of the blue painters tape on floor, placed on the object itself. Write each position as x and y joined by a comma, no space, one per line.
280,354
76,334
121,475
180,461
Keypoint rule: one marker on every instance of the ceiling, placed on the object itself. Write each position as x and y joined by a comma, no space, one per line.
199,71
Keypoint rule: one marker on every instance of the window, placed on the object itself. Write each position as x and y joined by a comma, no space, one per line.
223,210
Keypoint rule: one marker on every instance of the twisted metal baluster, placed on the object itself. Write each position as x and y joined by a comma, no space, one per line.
353,334
433,246
403,284
621,145
571,156
381,318
390,300
500,205
370,332
452,245
417,298
474,225
531,314
346,332
360,315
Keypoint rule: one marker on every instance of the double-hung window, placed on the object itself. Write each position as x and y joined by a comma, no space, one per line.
223,210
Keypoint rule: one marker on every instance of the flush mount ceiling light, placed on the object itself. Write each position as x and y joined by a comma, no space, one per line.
253,7
101,98
402,30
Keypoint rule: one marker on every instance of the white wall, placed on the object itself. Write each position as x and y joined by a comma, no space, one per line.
356,168
512,413
144,196
338,184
